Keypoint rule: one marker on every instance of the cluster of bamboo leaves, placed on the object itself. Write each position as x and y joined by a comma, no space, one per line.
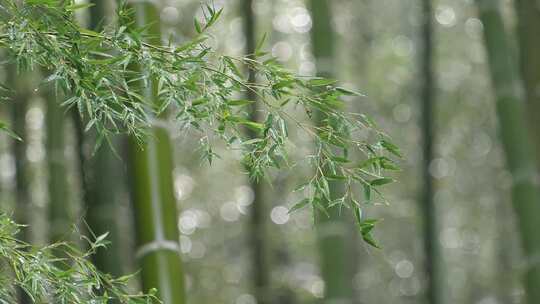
200,89
58,273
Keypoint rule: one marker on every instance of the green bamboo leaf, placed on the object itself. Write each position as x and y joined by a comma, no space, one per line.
253,141
255,126
368,121
239,102
4,88
390,147
283,127
300,205
370,222
367,193
370,240
320,82
43,2
269,122
163,106
348,92
260,45
301,187
228,61
269,62
358,215
100,240
88,32
324,188
203,53
340,159
199,101
191,44
4,128
197,25
381,181
317,204
74,7
137,96
104,61
283,84
338,202
214,17
388,164
335,177
285,102
368,162
365,227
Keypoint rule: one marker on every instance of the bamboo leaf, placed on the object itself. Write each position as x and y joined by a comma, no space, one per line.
4,128
370,240
300,205
319,82
335,177
367,192
390,147
239,102
381,181
349,92
197,25
255,126
74,7
283,84
358,215
340,159
260,45
228,61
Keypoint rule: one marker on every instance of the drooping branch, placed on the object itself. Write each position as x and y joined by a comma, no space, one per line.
199,89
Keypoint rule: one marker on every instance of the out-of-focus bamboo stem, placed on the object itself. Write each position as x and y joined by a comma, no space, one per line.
516,140
257,231
429,210
101,180
59,206
20,84
154,204
334,231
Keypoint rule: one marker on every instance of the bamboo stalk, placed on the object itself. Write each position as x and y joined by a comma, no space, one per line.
515,137
333,230
101,180
528,24
19,83
430,215
21,98
257,230
155,209
59,207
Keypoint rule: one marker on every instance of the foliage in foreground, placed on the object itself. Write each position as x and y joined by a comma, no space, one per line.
46,277
199,90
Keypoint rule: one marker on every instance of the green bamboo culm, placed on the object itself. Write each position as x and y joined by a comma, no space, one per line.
519,150
19,83
104,193
528,24
257,230
430,216
334,231
102,176
59,205
151,165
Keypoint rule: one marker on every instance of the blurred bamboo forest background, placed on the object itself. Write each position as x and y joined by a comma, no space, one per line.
441,77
